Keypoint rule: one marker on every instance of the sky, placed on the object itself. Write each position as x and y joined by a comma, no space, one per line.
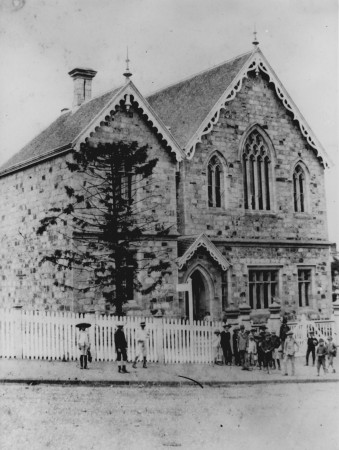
168,40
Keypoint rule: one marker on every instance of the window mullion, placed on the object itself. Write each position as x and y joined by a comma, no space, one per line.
263,187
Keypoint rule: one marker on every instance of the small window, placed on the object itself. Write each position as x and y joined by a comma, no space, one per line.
304,286
263,288
124,187
214,181
127,278
299,189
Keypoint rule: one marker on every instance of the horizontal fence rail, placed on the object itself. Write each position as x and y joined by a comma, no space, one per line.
54,336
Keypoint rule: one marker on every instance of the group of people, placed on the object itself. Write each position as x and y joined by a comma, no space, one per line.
259,348
120,342
246,348
320,350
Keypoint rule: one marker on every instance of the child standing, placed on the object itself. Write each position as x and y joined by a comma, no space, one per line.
332,352
321,355
216,347
252,351
290,348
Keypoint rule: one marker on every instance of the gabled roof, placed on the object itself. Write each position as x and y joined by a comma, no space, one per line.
61,132
74,127
192,107
185,105
203,241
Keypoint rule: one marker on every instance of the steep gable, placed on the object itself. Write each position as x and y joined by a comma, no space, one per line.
203,241
192,108
74,127
185,105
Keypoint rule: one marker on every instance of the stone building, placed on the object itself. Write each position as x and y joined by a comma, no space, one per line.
240,178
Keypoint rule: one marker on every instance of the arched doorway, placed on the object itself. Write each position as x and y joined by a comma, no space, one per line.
201,295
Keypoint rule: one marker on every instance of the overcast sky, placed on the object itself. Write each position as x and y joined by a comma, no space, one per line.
168,40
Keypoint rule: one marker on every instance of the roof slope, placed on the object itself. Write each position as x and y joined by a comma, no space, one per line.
61,132
202,90
190,108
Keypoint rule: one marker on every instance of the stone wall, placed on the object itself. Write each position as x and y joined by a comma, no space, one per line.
26,197
256,103
231,226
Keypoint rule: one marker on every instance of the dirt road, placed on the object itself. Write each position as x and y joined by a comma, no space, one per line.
291,416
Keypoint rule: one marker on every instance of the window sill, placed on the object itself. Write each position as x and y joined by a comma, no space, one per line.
302,215
255,212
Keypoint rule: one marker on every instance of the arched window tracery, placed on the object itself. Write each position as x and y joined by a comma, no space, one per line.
256,162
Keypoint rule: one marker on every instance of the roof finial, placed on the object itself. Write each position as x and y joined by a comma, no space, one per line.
127,74
255,42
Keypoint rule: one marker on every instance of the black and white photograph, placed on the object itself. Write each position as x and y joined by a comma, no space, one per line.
169,224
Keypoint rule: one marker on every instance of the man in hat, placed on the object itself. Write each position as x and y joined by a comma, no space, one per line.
260,340
235,346
242,345
267,348
312,342
141,339
121,348
225,342
84,345
290,347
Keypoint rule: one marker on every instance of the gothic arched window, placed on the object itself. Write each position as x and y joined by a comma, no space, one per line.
256,160
214,179
299,189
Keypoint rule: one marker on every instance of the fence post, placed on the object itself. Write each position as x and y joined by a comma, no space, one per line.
18,350
159,333
274,319
336,319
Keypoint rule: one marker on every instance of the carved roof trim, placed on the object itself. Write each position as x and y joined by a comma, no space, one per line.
130,92
257,62
203,241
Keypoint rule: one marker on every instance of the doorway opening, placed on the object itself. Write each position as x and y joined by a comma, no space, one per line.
201,295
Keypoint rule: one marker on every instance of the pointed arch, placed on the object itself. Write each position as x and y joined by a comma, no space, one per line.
258,157
203,289
300,183
215,167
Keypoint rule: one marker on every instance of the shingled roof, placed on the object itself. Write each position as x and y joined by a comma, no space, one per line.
183,106
61,132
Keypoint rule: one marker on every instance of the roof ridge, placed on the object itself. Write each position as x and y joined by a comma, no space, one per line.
190,77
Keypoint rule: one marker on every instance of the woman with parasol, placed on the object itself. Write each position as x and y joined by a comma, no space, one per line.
83,343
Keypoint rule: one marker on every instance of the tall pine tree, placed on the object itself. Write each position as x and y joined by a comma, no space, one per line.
108,216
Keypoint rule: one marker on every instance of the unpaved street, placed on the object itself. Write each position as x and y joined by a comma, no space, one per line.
282,416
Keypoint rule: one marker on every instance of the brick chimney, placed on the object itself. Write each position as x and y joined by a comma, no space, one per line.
82,85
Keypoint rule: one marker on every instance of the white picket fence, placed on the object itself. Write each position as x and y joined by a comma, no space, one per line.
53,336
